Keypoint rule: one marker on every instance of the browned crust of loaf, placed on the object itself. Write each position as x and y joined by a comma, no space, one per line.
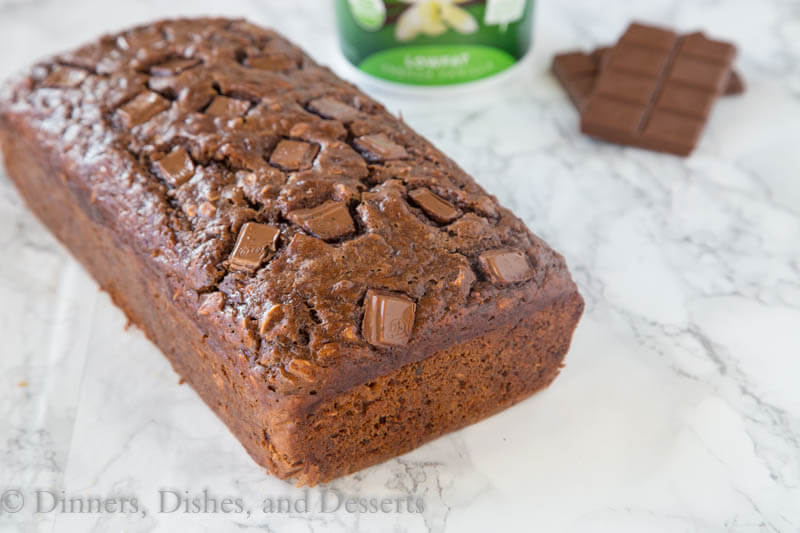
318,285
395,413
137,259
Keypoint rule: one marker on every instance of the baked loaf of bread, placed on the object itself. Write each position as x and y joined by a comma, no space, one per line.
335,288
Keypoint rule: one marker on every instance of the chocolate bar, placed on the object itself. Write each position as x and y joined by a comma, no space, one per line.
577,72
656,89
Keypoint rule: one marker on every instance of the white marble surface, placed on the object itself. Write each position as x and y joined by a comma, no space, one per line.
679,407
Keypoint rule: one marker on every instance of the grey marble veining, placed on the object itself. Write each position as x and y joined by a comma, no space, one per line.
679,406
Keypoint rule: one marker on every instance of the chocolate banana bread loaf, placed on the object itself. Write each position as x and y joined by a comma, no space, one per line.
334,288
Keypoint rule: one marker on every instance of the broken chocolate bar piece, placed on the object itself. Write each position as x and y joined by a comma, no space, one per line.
388,318
329,221
176,167
294,155
142,108
655,89
64,77
332,108
380,147
173,66
252,244
506,266
271,62
436,207
222,106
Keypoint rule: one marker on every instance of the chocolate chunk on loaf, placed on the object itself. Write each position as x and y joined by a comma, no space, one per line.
334,288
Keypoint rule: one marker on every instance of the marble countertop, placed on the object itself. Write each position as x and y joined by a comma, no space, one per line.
678,408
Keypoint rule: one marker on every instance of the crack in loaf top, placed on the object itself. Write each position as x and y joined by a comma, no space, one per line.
273,195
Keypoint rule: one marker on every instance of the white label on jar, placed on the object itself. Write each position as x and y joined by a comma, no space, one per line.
503,11
369,14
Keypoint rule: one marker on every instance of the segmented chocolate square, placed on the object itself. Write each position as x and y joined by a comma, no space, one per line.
648,36
637,60
436,207
142,108
613,118
388,318
627,86
698,45
272,62
574,64
576,72
173,66
252,245
380,147
176,167
64,77
506,266
294,155
671,131
700,73
222,106
328,221
685,100
332,108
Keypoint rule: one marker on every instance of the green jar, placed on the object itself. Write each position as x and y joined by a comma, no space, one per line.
434,42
